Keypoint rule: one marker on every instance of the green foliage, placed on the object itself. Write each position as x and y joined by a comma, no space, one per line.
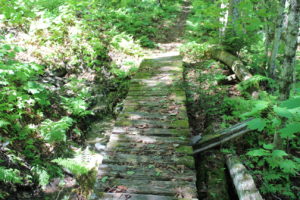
76,167
10,175
55,131
43,176
76,106
280,169
257,124
270,117
254,83
193,50
126,44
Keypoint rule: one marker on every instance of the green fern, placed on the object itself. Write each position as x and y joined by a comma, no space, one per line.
76,167
10,175
43,176
253,82
55,131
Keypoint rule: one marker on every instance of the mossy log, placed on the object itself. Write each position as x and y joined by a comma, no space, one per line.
242,180
211,140
233,62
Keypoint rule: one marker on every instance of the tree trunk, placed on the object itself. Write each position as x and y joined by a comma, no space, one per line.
277,39
242,180
223,19
231,61
288,67
287,75
268,26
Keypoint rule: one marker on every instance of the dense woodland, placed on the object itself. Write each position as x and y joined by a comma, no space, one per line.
65,64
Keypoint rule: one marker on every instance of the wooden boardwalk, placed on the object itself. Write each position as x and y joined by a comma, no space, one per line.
148,156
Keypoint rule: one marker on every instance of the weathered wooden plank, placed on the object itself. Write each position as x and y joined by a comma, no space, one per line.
114,138
172,96
151,131
242,180
162,102
212,140
158,76
176,124
149,172
119,158
164,109
175,188
147,115
129,196
156,93
161,88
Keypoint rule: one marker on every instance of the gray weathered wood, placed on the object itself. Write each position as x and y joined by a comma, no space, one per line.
232,62
128,196
215,139
242,180
171,188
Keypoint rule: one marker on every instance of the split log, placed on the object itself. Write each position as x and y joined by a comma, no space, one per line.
232,62
242,180
212,140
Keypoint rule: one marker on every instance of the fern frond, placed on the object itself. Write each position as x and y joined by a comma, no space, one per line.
10,175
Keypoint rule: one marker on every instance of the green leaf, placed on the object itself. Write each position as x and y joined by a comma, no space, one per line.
76,167
3,123
290,130
289,166
130,172
104,179
279,153
256,124
283,112
273,175
268,146
258,152
258,107
291,103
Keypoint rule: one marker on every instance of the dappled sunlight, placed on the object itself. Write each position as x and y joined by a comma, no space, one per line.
148,148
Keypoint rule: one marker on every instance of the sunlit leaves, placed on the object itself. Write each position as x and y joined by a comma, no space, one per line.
55,131
76,167
291,103
257,124
10,175
258,152
290,130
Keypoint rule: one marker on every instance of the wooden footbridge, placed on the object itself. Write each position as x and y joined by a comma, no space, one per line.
148,155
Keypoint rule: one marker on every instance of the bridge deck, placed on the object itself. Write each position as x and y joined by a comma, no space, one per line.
148,152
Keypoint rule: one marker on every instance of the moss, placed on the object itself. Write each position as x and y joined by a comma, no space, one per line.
130,109
123,123
180,124
181,132
187,161
208,137
184,149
